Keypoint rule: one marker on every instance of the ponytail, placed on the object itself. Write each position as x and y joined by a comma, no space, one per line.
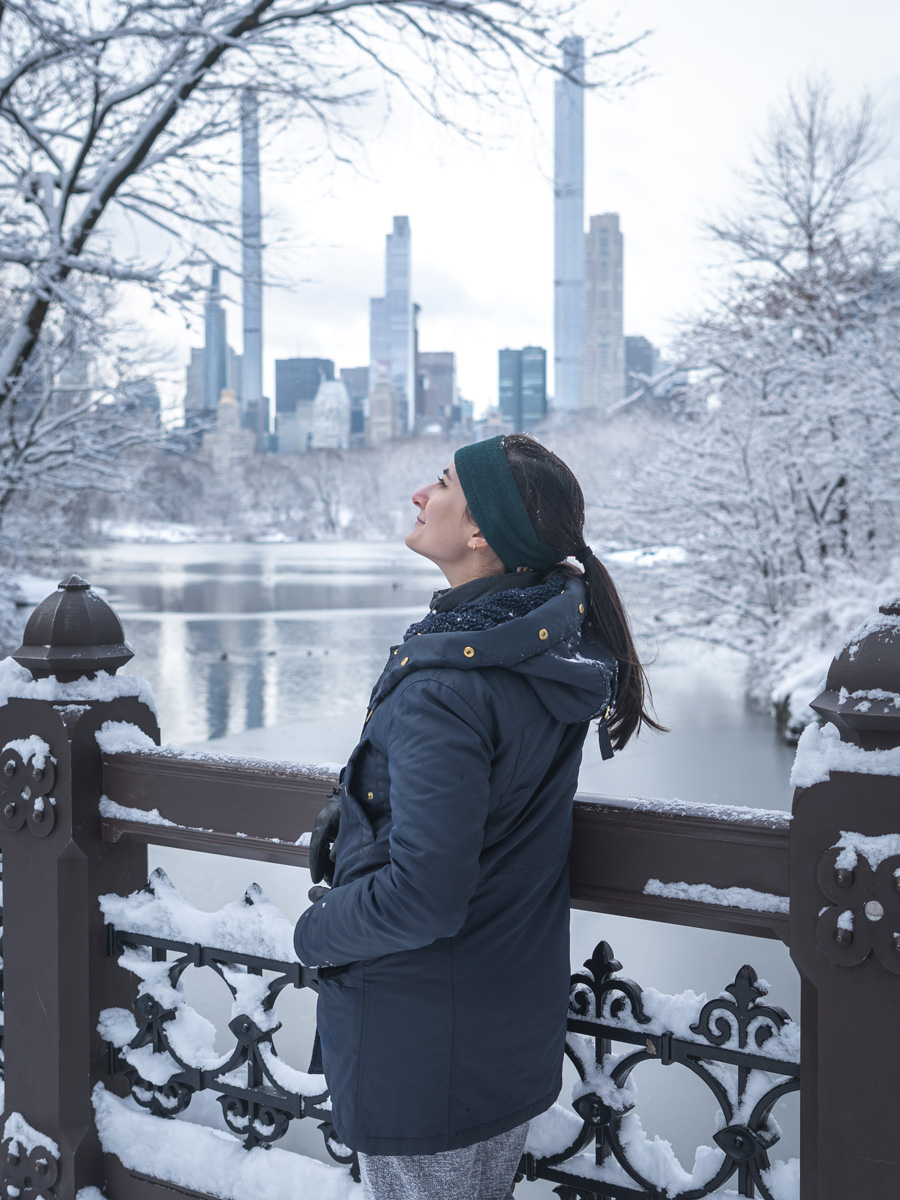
607,620
555,503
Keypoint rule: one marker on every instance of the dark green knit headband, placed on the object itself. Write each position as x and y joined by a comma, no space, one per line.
497,506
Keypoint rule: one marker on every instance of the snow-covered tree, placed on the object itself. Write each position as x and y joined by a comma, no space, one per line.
781,478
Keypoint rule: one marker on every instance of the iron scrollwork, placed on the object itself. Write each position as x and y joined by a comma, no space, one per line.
260,1095
744,1051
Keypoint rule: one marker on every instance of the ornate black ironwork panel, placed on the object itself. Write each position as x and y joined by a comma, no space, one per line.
746,1052
259,1093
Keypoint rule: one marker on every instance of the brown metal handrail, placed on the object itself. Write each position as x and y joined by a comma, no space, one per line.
223,805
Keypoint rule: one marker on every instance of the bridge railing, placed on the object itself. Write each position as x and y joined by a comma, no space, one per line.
84,790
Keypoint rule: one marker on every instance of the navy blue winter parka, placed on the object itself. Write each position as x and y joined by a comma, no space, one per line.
443,946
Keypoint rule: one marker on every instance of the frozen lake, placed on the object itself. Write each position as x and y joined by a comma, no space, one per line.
271,650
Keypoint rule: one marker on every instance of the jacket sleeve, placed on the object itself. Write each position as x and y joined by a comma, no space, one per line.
439,758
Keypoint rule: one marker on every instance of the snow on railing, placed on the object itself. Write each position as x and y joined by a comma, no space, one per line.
169,1053
744,1050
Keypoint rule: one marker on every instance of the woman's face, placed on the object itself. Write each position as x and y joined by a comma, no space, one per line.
445,532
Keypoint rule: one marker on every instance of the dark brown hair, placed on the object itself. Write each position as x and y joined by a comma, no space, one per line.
555,503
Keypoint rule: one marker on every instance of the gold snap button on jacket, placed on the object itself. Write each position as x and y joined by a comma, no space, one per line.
370,795
403,662
469,652
543,635
396,652
580,609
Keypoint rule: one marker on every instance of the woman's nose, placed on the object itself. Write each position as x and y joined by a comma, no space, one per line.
420,498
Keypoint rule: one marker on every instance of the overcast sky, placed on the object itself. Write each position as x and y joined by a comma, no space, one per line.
662,155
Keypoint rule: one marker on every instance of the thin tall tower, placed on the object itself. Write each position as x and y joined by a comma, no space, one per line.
391,326
255,409
568,222
215,372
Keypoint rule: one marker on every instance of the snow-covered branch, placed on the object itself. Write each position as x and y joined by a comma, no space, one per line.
126,108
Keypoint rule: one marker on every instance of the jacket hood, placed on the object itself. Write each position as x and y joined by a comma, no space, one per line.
574,679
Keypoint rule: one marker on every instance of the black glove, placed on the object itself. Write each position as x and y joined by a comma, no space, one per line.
321,843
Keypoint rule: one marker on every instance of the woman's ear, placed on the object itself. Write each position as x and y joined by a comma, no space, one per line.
477,541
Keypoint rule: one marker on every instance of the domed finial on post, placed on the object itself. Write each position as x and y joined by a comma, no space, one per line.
72,633
862,691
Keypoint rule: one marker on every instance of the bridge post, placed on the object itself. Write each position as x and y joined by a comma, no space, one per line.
845,921
57,975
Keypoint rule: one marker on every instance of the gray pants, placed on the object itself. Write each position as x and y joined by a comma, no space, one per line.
484,1171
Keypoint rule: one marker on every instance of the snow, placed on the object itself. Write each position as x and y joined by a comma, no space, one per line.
250,993
790,668
881,623
31,748
288,1077
89,1193
656,1161
251,925
552,1131
24,1138
864,695
17,681
821,751
114,811
115,1027
676,1014
32,589
598,1076
401,612
158,532
122,737
783,1179
146,816
649,556
845,920
211,1161
771,817
731,897
241,762
873,849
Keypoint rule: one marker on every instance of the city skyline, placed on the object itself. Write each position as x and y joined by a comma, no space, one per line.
662,154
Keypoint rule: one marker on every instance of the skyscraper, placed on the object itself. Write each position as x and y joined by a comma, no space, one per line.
254,407
215,370
297,380
435,388
391,350
356,380
603,357
640,359
509,386
534,385
568,224
523,386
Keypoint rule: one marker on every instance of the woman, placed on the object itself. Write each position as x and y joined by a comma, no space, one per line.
443,946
